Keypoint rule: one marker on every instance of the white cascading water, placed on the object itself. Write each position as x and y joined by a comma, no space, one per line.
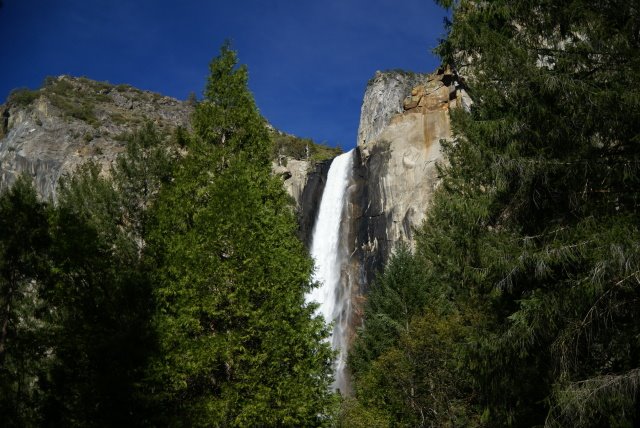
325,250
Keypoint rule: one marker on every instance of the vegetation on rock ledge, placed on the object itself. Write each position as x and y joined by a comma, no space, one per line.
286,145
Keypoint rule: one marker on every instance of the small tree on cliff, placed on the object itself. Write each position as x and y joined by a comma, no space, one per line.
239,345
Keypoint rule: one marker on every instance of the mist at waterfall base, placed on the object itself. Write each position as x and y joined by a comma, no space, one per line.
335,303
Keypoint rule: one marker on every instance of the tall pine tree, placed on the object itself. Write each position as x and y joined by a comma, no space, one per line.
530,252
25,243
239,345
551,151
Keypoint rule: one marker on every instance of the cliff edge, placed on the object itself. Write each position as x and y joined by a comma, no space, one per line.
50,131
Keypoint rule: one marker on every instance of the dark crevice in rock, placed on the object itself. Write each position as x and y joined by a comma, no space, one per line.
310,200
4,128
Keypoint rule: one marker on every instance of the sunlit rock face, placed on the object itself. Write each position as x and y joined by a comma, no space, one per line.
294,173
383,99
71,120
403,119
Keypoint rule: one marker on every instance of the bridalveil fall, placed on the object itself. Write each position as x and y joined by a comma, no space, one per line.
333,298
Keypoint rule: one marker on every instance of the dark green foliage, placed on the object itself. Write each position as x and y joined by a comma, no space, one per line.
97,87
192,99
103,304
404,359
530,254
81,98
23,96
194,315
24,337
180,137
395,298
104,289
170,292
71,102
555,133
147,165
238,345
355,415
228,117
77,297
75,307
82,110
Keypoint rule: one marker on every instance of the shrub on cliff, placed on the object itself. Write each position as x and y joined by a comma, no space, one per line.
23,96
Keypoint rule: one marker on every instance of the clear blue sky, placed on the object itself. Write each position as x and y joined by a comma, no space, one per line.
309,61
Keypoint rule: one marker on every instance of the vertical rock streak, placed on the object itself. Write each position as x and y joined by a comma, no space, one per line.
329,259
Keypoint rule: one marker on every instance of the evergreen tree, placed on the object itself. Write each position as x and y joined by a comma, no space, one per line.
101,303
138,175
239,345
397,296
24,332
404,360
550,153
101,291
530,250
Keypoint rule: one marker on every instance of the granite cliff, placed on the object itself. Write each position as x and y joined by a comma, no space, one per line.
303,166
404,116
50,131
403,119
390,181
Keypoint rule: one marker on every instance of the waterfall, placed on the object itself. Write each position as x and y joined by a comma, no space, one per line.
326,251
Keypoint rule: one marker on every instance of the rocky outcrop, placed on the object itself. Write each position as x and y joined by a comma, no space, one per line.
294,173
383,99
404,118
49,132
304,181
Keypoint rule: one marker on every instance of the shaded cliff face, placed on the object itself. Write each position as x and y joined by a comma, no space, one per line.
304,181
309,202
404,117
294,173
49,132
